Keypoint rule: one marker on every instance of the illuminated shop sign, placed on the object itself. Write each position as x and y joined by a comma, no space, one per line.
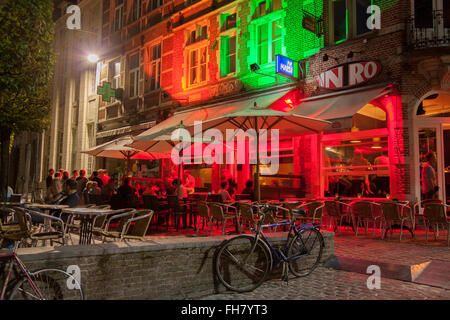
349,74
286,67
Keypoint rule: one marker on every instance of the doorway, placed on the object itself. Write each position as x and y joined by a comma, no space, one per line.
433,134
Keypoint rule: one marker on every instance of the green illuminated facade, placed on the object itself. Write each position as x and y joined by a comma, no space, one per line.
267,28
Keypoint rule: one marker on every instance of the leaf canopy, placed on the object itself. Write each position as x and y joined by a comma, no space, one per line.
26,64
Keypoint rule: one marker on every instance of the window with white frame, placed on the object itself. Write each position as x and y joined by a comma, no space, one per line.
199,33
228,21
269,41
134,74
154,57
197,65
114,67
118,16
227,55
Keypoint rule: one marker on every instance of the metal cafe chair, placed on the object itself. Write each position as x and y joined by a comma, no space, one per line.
364,212
152,202
247,216
394,212
24,229
102,222
204,215
314,212
436,214
123,217
218,214
55,234
418,209
135,227
338,210
177,210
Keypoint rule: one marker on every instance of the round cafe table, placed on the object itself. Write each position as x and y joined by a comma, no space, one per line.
87,216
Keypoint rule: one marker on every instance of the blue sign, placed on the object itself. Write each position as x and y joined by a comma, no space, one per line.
286,67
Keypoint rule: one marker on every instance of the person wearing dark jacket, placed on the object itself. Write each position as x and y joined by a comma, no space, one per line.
126,194
249,189
72,199
97,179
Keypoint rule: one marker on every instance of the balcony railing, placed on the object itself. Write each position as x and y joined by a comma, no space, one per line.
431,31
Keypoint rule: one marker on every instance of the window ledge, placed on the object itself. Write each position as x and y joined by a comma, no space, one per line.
269,17
200,43
197,85
229,76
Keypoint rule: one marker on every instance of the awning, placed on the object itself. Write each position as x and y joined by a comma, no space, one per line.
206,114
340,105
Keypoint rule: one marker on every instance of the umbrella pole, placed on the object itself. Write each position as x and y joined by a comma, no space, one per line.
257,185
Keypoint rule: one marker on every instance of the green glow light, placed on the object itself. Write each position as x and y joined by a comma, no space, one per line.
296,43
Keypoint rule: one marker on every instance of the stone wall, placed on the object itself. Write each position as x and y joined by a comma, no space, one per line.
170,268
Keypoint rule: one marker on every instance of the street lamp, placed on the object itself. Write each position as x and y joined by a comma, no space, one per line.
93,58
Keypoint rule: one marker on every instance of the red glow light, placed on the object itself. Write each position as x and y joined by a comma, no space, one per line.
288,102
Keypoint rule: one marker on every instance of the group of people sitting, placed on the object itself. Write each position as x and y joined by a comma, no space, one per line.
75,189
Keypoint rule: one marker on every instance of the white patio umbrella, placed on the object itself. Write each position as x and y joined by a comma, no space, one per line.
118,149
168,140
240,114
262,119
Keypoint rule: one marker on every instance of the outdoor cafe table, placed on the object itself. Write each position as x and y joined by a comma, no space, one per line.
46,208
86,222
10,203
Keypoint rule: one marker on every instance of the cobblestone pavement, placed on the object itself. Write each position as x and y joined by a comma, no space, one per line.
328,284
390,251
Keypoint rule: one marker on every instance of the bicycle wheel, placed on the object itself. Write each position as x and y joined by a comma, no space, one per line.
238,268
305,250
53,284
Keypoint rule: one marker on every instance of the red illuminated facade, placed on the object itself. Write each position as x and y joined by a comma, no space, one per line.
170,56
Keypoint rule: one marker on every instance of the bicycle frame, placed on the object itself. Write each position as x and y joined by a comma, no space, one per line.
279,255
12,257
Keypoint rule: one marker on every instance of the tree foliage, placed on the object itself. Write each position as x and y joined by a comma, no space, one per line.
26,64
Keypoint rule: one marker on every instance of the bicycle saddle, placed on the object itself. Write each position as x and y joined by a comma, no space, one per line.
298,212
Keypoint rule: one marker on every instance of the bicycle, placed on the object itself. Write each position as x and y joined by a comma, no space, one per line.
243,263
42,284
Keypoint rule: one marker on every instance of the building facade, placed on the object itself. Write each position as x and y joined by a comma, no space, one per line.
178,55
383,86
74,92
400,108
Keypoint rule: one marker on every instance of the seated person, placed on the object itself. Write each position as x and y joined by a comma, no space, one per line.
138,189
126,194
108,190
182,192
156,188
225,196
95,188
249,189
189,182
72,199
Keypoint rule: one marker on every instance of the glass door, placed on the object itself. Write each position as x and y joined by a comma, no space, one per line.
446,160
430,141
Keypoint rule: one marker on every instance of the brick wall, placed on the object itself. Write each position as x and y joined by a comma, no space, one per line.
171,268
